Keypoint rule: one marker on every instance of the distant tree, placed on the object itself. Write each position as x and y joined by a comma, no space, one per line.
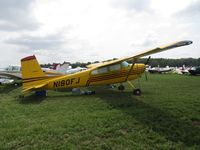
154,62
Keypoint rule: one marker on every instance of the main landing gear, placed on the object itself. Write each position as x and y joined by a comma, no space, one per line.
121,87
136,91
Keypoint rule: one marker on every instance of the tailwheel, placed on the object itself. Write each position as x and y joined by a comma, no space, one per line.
137,92
121,87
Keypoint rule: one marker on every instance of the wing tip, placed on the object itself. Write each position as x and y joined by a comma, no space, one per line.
186,42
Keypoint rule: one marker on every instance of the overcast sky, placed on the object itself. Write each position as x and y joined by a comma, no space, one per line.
89,30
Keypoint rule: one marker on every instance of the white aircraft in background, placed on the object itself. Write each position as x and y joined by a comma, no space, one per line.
159,69
64,69
14,72
181,70
74,70
6,81
11,71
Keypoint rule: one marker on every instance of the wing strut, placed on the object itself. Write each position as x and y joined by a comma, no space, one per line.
133,63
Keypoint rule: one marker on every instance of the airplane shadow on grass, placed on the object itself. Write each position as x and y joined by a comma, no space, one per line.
31,99
161,122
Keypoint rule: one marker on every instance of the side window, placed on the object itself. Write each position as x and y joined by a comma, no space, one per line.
115,67
100,71
94,72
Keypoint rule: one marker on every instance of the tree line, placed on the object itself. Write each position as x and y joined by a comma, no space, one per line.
162,62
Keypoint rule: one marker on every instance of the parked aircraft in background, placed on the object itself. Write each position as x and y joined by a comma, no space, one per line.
11,71
74,70
195,70
181,70
109,72
4,80
159,69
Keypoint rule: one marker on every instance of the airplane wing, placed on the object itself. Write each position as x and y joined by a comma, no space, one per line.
146,53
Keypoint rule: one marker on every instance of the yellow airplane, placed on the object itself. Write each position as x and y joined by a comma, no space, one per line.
107,72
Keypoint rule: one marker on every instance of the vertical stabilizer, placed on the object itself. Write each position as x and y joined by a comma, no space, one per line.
31,68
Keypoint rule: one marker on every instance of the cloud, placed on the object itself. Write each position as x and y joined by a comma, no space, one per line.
99,30
191,14
52,41
192,10
137,5
16,15
189,20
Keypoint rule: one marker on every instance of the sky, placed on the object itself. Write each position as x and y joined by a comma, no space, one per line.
90,30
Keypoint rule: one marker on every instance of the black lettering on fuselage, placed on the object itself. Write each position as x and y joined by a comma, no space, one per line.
62,83
78,81
72,80
66,82
56,84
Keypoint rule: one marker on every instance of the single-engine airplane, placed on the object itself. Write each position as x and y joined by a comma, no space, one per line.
160,69
108,72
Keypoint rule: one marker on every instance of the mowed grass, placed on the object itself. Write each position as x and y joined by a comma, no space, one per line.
166,116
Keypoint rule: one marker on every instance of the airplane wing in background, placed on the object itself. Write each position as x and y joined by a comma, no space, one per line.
12,75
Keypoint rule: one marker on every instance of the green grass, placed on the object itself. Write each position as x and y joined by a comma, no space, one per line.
166,116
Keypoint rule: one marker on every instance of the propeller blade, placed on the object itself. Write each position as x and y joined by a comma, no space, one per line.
148,60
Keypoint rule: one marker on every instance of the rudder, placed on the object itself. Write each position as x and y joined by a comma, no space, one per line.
31,68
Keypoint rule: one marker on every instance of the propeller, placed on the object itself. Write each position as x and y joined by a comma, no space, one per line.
148,60
147,64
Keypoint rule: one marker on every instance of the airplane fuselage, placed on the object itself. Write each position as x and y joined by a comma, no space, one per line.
87,78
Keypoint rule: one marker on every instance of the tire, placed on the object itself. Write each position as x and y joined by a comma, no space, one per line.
137,92
121,87
16,84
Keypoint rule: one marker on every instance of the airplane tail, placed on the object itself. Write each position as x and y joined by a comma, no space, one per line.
31,72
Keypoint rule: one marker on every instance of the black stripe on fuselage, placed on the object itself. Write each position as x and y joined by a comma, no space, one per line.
36,79
111,76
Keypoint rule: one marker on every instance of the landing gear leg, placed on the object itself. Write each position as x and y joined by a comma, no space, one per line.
136,91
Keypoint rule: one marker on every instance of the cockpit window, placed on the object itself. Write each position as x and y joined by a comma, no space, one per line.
94,72
124,64
103,70
114,67
100,71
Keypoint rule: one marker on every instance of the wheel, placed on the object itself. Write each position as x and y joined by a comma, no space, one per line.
137,92
16,84
121,87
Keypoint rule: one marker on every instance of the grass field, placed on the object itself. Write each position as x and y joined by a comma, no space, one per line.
166,116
